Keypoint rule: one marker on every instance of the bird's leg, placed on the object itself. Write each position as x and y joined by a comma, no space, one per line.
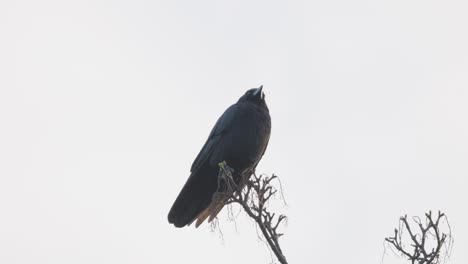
225,178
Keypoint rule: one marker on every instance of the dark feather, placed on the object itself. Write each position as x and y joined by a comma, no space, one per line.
239,137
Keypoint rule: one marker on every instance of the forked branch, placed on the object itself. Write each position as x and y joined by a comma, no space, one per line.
427,241
253,194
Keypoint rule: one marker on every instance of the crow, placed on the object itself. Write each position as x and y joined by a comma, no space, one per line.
240,138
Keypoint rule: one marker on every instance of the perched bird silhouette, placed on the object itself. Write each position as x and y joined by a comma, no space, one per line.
240,138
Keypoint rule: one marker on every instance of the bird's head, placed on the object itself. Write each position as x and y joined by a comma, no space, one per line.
254,95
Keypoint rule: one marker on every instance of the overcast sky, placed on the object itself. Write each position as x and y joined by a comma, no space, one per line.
105,104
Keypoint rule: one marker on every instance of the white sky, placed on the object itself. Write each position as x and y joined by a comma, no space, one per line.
105,104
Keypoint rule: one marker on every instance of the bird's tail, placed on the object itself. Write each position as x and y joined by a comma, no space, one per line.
195,197
212,210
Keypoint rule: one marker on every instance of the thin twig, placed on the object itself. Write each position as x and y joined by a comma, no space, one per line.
253,194
430,230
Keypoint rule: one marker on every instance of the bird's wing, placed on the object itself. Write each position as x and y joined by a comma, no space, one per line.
197,192
220,129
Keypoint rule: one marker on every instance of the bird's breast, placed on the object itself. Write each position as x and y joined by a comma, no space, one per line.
246,140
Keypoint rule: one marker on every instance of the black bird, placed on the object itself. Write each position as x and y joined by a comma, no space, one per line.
239,137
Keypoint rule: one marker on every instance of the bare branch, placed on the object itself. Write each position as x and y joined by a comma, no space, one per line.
253,193
421,252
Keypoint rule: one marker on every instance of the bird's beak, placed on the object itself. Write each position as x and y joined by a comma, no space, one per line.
258,92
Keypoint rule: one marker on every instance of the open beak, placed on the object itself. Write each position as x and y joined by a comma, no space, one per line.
259,92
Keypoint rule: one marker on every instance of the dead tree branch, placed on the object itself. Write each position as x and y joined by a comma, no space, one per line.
253,194
427,241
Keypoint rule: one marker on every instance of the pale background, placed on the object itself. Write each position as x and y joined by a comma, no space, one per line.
105,104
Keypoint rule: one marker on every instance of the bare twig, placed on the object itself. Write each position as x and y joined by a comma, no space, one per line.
253,193
421,251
